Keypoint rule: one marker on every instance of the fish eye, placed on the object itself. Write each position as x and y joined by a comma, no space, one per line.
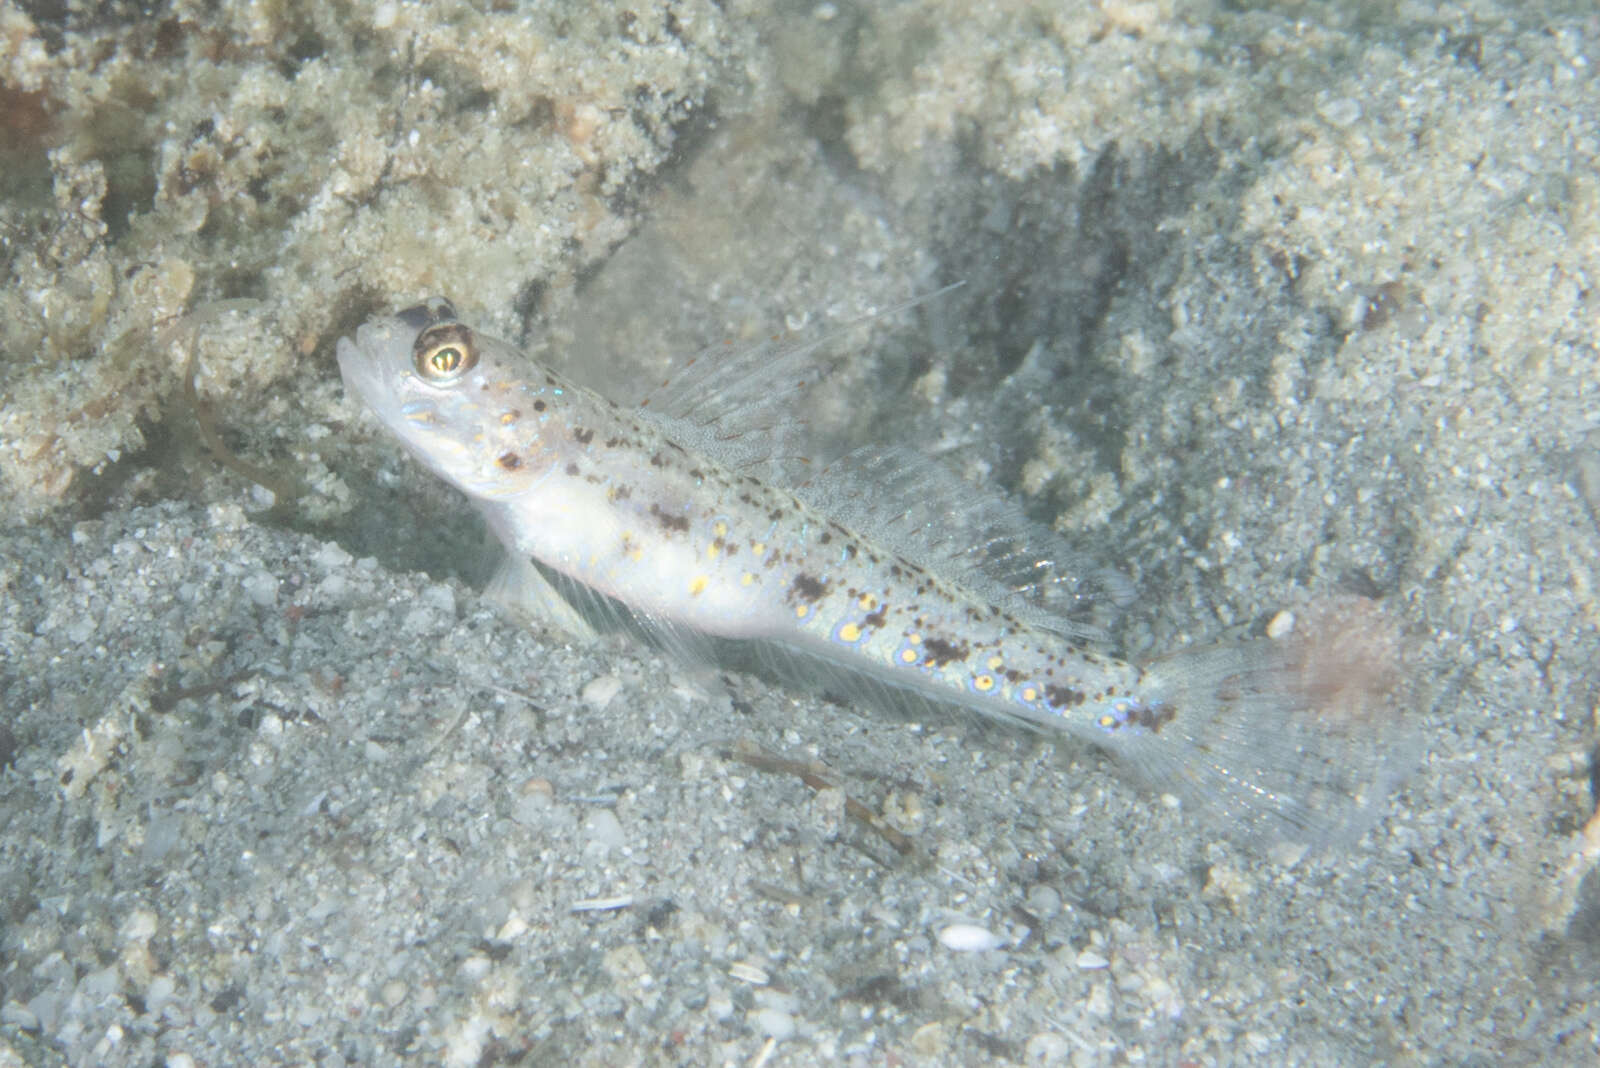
444,352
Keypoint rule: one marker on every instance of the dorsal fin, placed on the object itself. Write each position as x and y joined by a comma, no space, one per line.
914,505
739,404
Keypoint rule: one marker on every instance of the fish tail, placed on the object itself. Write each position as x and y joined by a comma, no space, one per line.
1299,740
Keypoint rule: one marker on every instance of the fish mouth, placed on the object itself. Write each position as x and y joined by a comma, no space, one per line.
364,358
358,369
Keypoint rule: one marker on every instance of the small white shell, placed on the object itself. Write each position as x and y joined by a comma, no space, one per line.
969,938
750,973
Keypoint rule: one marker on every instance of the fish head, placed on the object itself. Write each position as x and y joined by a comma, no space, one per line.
469,407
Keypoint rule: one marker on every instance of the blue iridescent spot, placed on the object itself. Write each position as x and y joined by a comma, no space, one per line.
849,632
909,654
1029,693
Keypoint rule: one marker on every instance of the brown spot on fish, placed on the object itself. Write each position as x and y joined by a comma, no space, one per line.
1063,696
509,460
668,520
941,652
807,588
582,435
572,469
1153,719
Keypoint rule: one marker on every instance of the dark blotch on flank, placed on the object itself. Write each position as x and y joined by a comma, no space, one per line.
1153,719
509,460
808,589
877,619
671,522
572,469
538,405
582,435
941,652
1063,696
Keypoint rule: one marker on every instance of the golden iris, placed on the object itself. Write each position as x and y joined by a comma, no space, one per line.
444,352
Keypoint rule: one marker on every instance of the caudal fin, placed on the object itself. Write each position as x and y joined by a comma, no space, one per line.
1300,740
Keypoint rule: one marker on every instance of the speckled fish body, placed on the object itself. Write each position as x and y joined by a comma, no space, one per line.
608,498
632,506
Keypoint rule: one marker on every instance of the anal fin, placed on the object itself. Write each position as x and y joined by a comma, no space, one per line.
521,590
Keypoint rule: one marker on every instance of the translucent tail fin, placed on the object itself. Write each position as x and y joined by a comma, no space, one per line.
1300,740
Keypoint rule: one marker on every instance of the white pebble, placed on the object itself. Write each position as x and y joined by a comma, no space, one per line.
1046,1047
599,692
99,985
331,556
139,926
158,993
514,927
605,830
262,589
969,938
774,1023
1342,112
1089,960
440,598
1043,901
